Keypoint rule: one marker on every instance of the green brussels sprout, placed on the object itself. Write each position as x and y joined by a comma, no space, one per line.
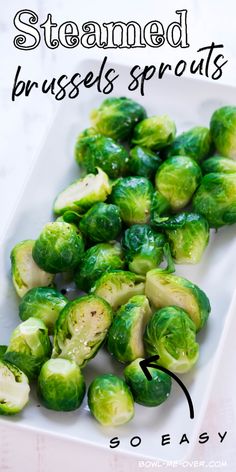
147,392
25,273
59,247
117,117
80,148
155,132
83,193
195,143
143,162
117,287
171,334
215,199
220,164
81,329
110,400
160,209
125,337
14,389
98,259
168,289
101,223
29,347
61,385
2,351
177,179
133,196
223,131
43,303
103,152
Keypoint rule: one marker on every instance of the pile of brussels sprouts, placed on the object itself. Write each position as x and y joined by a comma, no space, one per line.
145,201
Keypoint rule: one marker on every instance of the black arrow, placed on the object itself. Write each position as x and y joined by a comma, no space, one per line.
148,363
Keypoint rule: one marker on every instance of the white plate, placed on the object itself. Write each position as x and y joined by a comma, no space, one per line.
189,102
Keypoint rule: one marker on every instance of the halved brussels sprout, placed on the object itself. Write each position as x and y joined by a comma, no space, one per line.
29,347
143,162
14,389
83,193
59,247
223,131
43,303
133,196
98,259
125,337
215,199
110,400
101,223
220,164
177,179
80,148
117,287
171,334
195,143
117,117
167,289
25,273
81,329
147,392
61,385
155,132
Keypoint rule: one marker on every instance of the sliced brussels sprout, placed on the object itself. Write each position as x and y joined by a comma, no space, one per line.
177,179
155,132
220,164
117,117
25,272
117,287
80,148
133,196
29,347
98,259
171,334
81,329
147,392
59,247
110,400
14,389
101,223
125,337
143,162
43,303
215,199
83,193
195,143
61,385
167,289
223,131
2,351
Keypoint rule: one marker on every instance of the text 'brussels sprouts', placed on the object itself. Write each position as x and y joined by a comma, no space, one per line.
223,131
195,143
101,223
143,162
110,400
14,389
220,164
155,132
81,328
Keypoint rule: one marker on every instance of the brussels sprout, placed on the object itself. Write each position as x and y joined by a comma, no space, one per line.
110,400
43,303
59,248
2,351
61,385
80,148
98,259
29,347
117,117
117,287
167,289
216,199
155,132
14,389
147,392
223,131
83,193
133,196
171,334
101,223
143,162
195,143
160,209
25,273
220,164
177,179
81,328
125,337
